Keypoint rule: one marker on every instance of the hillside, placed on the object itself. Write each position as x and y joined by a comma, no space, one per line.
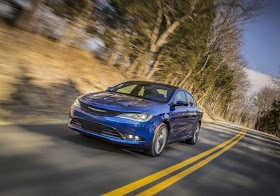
40,78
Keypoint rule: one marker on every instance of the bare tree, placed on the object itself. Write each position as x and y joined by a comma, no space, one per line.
263,101
225,41
276,79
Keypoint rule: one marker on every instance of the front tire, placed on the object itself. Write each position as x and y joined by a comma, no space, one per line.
159,141
194,137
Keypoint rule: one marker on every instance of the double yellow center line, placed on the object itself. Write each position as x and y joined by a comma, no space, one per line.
159,187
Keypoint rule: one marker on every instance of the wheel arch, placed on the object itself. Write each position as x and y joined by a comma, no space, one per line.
168,126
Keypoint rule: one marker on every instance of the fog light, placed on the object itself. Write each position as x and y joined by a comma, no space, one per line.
133,137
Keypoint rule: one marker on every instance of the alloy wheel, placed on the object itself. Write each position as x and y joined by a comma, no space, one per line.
160,140
195,135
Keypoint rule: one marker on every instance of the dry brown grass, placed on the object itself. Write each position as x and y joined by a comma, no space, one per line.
31,60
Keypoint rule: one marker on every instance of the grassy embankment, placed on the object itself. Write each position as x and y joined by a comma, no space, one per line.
40,79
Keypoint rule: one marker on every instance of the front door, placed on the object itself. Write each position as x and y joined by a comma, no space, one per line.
179,117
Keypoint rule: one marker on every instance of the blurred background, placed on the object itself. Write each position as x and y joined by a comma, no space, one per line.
52,51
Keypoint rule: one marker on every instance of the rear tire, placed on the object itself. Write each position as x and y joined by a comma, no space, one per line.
159,141
194,137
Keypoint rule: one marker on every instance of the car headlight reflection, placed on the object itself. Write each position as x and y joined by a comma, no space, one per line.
139,117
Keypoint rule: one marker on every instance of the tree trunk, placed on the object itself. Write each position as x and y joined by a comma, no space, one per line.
185,78
205,95
158,44
80,23
157,41
214,103
133,67
219,65
204,65
144,64
191,70
153,69
167,78
123,63
186,86
113,57
173,81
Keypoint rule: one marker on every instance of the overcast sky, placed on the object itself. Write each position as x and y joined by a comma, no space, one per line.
262,40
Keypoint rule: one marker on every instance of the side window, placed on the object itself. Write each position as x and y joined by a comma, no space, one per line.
180,96
141,92
191,101
163,92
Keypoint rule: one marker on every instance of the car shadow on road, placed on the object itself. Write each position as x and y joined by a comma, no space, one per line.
62,132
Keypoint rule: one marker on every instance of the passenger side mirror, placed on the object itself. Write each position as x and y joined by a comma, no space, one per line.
180,103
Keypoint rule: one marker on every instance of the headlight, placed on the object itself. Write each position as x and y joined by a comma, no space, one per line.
140,117
77,103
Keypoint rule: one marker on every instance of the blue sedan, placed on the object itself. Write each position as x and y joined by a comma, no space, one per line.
139,115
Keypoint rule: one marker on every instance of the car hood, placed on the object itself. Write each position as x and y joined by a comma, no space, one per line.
121,102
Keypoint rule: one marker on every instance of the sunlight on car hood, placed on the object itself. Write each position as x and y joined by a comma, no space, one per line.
118,100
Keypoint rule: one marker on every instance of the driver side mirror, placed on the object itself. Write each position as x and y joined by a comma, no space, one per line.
109,88
180,103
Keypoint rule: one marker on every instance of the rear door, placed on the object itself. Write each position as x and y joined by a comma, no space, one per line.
192,113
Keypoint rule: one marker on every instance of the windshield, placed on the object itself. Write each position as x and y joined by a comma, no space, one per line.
155,92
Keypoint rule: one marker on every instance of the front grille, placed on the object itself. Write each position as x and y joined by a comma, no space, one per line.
76,123
99,111
111,133
96,128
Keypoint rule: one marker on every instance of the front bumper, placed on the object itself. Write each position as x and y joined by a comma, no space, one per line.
144,130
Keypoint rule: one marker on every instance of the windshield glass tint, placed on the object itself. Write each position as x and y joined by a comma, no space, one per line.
150,91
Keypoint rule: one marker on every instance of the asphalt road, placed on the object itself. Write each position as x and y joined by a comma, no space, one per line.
54,160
